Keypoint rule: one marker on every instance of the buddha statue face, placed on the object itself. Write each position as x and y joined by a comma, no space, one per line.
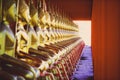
9,10
24,12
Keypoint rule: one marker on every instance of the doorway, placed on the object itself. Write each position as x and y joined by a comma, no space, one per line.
84,30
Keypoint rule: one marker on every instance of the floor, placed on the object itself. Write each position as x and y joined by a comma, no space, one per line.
84,67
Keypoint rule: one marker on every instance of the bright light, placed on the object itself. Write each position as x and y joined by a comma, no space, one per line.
85,30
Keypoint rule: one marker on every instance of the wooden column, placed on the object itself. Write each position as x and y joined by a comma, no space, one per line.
106,39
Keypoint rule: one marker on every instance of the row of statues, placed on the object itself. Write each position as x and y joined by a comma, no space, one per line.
34,37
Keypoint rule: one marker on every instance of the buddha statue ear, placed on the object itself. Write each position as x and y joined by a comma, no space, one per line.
1,10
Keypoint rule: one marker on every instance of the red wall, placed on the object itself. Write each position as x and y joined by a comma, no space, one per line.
106,39
77,9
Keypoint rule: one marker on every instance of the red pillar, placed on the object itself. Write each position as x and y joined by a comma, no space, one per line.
106,39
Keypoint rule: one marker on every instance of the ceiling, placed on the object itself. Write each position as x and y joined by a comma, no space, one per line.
77,9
